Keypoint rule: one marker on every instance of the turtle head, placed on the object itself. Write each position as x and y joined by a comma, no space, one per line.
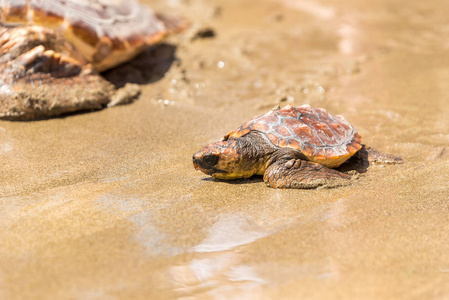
220,159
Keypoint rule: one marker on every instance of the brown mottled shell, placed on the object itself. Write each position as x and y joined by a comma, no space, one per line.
321,137
106,32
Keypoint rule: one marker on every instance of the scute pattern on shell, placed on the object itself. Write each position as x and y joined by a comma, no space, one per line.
321,137
107,33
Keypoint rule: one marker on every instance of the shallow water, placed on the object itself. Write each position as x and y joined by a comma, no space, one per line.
107,205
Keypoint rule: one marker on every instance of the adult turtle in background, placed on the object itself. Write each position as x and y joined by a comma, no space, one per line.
292,147
52,50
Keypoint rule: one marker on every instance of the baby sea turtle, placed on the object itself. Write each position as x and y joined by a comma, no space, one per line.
51,51
292,147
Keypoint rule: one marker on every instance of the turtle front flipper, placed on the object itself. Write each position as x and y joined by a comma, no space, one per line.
302,174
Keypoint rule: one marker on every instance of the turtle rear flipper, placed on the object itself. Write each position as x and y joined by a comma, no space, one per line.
302,174
365,157
375,156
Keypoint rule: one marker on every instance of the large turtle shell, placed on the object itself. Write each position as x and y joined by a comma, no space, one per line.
106,32
321,137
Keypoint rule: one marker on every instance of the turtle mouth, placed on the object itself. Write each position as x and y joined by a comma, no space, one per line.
199,165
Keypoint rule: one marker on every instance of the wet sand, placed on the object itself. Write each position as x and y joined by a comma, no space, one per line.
107,205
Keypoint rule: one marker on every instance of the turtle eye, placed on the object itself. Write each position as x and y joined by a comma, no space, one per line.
210,160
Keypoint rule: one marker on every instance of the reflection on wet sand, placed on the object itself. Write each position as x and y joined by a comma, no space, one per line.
217,268
228,232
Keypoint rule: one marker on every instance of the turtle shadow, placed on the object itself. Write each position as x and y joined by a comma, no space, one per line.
253,179
147,67
358,162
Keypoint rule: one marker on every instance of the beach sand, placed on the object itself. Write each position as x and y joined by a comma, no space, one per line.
107,204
